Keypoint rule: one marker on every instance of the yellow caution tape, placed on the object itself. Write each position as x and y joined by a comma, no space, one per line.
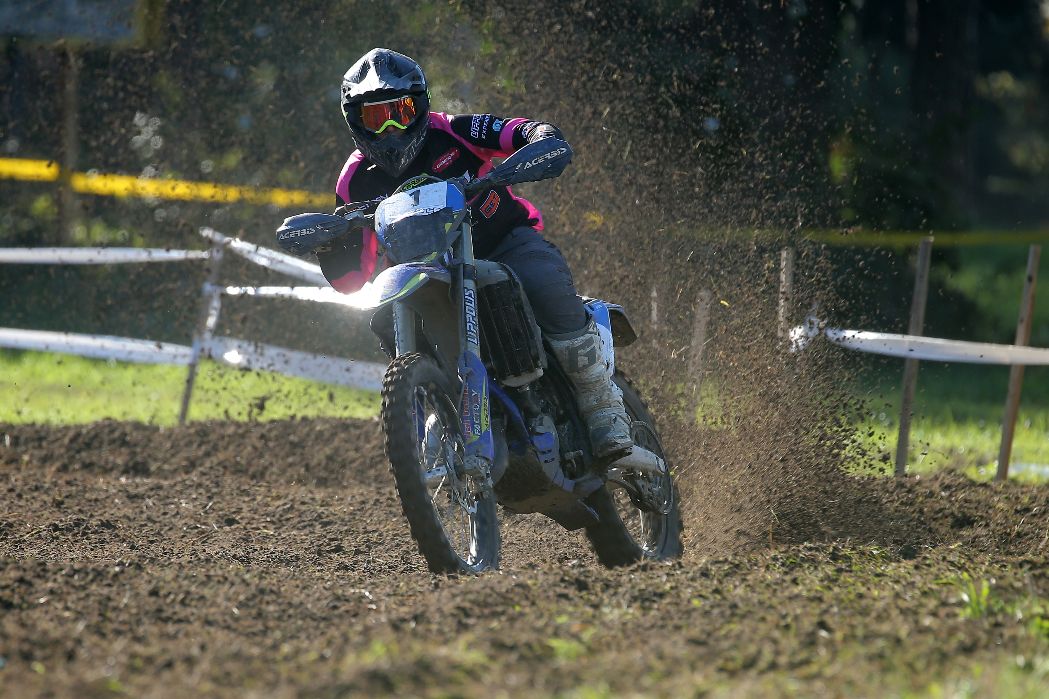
33,170
142,187
902,239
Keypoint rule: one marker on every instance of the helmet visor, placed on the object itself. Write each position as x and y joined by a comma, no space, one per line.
379,116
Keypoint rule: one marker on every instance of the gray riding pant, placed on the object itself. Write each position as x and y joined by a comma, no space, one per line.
546,279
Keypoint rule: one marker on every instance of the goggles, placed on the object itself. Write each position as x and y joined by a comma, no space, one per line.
398,113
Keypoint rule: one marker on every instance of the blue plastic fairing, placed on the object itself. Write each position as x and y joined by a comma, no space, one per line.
613,317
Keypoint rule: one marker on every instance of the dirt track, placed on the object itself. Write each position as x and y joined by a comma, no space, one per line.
220,559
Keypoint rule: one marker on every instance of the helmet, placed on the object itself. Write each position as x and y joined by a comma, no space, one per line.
387,107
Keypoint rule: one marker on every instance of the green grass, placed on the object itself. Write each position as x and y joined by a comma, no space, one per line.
975,595
957,421
956,426
959,408
38,387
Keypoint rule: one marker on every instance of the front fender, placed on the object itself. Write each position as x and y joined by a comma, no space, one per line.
396,284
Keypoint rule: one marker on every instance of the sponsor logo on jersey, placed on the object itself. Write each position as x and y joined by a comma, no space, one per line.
445,160
479,126
491,203
497,125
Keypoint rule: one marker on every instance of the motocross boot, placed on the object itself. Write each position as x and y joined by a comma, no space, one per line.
582,356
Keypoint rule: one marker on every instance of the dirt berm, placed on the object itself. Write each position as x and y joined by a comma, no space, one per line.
270,559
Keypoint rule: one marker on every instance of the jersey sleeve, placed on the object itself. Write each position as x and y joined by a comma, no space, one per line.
350,262
499,136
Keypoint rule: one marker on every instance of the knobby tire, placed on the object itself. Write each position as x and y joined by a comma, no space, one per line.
404,374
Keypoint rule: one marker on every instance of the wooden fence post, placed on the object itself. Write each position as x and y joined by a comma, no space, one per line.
207,320
68,208
1016,372
910,367
786,291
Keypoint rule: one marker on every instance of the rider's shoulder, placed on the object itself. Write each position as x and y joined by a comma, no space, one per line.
355,167
441,120
354,161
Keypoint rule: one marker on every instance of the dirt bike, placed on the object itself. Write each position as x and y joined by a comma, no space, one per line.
476,411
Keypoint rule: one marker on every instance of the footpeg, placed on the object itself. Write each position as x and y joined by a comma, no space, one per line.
641,460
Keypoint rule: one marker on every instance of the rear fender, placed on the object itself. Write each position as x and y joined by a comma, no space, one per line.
614,318
613,325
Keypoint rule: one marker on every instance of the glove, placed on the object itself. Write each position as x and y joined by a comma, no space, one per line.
363,208
537,130
348,246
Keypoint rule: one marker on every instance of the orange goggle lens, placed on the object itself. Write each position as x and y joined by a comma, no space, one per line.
377,116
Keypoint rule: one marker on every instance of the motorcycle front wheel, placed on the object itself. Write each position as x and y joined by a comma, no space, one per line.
451,519
633,528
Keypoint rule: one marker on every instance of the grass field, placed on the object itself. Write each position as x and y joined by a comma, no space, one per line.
957,410
957,420
59,389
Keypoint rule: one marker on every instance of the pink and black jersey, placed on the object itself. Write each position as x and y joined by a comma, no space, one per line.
455,145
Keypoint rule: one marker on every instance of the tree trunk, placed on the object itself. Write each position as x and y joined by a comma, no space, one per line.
944,67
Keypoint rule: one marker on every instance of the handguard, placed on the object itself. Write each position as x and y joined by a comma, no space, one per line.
303,234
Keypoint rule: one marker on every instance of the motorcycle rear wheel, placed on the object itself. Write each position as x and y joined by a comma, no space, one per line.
627,533
455,527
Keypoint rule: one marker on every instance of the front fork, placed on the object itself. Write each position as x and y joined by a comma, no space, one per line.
474,403
404,322
474,397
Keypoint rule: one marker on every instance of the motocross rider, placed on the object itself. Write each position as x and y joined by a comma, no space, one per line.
386,104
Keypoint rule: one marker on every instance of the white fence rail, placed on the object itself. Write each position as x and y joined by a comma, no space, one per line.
919,347
301,293
265,257
914,347
253,355
122,349
96,256
231,351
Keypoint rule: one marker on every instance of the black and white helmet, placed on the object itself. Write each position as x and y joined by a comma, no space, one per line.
387,107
